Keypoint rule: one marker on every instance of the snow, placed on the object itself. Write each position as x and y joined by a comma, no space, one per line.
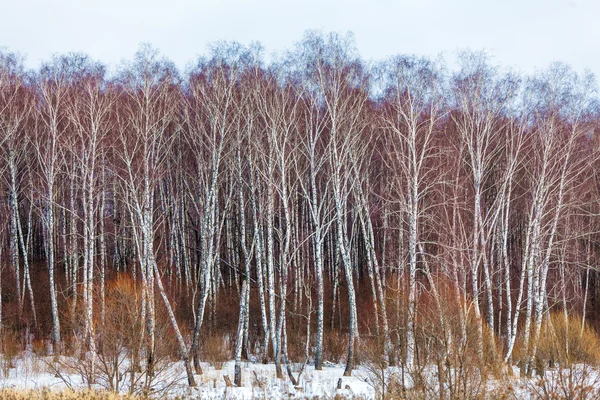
29,371
258,380
32,372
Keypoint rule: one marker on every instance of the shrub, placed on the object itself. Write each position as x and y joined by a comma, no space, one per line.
577,382
119,338
335,346
10,347
450,347
217,350
563,342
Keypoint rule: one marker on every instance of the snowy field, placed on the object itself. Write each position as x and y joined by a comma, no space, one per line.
259,382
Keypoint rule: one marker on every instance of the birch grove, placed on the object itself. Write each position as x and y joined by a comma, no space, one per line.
308,209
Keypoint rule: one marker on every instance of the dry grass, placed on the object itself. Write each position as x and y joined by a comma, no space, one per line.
217,350
563,343
10,347
46,394
335,346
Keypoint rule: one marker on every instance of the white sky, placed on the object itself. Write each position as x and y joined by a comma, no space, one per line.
523,34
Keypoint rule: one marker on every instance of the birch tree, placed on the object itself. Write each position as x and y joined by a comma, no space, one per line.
412,109
481,99
210,119
16,102
343,91
146,125
89,114
53,84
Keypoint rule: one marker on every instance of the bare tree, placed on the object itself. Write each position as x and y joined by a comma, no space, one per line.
146,124
54,84
343,91
481,100
89,113
210,118
412,110
16,102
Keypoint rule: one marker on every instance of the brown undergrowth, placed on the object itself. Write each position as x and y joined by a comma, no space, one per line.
46,394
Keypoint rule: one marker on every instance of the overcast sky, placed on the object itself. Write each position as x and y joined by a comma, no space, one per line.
523,34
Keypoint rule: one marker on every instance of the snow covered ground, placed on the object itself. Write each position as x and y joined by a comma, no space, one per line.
259,382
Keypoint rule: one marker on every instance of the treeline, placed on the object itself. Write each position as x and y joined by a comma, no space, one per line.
399,201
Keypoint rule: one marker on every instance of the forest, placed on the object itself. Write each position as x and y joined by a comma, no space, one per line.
308,208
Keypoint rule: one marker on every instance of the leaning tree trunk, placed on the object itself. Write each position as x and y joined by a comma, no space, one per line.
237,376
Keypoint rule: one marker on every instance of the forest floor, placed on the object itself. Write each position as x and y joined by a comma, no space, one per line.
31,376
258,380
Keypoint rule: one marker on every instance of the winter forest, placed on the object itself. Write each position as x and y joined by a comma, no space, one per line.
311,208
